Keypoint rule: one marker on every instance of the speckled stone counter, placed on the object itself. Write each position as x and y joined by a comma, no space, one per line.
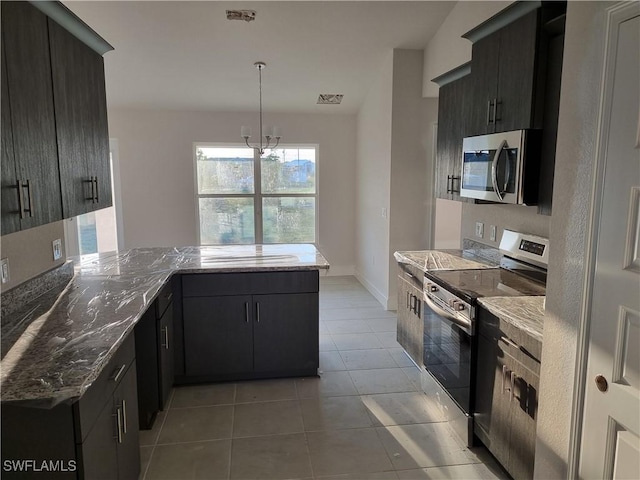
55,347
442,260
524,314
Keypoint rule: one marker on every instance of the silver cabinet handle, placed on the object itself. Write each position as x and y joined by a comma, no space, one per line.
509,342
258,312
246,312
95,180
116,373
118,416
408,301
409,275
124,416
489,105
513,381
165,331
20,199
504,374
27,185
92,197
496,102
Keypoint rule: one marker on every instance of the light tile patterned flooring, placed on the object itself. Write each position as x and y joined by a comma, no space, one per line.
363,418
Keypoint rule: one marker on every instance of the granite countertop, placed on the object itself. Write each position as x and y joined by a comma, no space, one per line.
525,313
54,348
427,260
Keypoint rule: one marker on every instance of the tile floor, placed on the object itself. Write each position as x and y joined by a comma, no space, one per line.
363,418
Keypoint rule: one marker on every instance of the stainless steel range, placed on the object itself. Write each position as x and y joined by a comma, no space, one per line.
450,321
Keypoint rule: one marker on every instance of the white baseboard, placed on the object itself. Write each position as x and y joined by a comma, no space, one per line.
378,295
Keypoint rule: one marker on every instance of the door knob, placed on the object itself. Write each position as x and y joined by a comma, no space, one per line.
601,383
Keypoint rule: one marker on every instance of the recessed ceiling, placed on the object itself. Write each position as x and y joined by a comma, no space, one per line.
186,55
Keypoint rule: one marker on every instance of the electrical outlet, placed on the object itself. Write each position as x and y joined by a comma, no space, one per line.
492,233
4,269
384,212
479,229
57,249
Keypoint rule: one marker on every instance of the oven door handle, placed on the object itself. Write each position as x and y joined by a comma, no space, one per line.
494,170
465,325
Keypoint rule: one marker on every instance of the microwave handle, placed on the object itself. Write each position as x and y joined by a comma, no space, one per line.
494,169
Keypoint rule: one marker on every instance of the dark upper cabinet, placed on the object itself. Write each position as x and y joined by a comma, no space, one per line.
10,202
55,141
452,101
506,85
81,123
28,101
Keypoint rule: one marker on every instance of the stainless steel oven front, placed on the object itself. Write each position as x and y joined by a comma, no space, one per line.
448,355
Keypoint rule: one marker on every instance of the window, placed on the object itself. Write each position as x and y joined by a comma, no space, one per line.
242,198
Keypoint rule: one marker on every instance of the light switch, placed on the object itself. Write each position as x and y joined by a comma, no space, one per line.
492,233
57,249
479,229
4,268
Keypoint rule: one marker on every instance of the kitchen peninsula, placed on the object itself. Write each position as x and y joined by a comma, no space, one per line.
72,350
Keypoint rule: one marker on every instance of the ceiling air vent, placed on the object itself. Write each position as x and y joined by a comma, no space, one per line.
246,15
329,99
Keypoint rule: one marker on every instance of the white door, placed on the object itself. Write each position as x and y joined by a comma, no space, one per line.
611,418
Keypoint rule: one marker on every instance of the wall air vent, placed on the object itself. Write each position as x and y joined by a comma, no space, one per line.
246,15
329,99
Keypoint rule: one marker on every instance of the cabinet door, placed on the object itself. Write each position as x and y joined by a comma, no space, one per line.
404,313
218,335
516,76
286,332
146,340
81,120
166,349
9,178
492,417
524,412
452,110
26,45
98,451
484,85
125,398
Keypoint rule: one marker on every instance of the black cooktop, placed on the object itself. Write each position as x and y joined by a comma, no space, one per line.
491,282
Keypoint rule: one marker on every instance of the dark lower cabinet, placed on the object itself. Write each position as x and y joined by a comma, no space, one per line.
507,386
155,352
95,437
218,335
112,450
166,353
249,325
284,333
410,329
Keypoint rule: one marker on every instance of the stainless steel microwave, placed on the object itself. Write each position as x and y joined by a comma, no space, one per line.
502,167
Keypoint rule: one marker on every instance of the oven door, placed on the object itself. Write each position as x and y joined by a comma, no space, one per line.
448,352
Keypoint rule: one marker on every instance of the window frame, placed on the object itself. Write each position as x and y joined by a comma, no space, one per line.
257,194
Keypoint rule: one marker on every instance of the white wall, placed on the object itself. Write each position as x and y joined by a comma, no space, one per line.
157,179
447,50
447,224
411,162
394,165
373,167
575,153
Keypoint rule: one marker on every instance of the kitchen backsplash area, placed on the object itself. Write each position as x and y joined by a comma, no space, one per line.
512,217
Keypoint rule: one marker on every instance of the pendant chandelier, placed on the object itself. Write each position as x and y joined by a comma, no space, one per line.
267,134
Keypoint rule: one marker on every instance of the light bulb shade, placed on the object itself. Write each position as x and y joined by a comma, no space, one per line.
277,132
245,132
268,131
